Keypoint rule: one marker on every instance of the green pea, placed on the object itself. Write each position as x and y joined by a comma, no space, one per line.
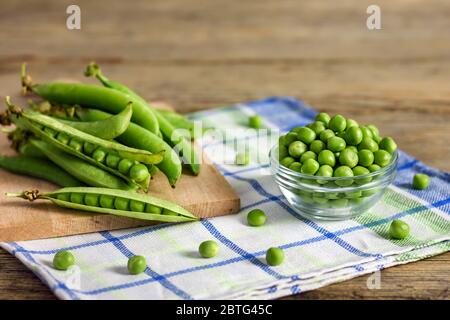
149,208
357,201
77,198
369,144
348,157
382,157
324,171
282,152
316,146
326,134
323,117
282,141
306,135
91,200
338,203
308,155
137,206
373,167
295,130
353,148
351,123
336,144
374,129
106,201
359,171
317,127
242,159
136,265
398,230
208,249
377,139
287,161
63,197
353,136
125,165
365,157
49,131
121,204
99,155
290,138
63,260
341,135
353,194
337,123
388,144
327,157
295,166
255,122
367,133
76,144
63,138
274,256
331,195
139,172
370,192
112,160
321,201
89,148
343,171
310,166
168,212
421,181
297,148
256,218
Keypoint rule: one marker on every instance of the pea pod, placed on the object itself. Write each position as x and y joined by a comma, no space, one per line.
107,129
39,168
115,202
181,122
93,96
137,137
184,147
105,154
81,170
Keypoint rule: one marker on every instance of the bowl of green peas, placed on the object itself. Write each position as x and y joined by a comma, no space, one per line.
333,168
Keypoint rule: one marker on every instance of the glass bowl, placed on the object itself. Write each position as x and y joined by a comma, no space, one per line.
321,198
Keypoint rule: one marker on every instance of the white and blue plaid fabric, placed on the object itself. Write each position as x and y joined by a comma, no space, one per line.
317,253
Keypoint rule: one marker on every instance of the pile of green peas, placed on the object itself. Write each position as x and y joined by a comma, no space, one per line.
335,147
131,168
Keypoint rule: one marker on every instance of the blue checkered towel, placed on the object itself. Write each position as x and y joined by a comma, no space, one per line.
317,253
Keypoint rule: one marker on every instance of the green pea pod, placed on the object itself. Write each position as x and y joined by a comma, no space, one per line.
82,170
115,202
187,152
179,121
98,97
29,150
108,128
137,137
39,168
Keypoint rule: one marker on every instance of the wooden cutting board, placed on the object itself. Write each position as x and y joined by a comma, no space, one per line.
206,195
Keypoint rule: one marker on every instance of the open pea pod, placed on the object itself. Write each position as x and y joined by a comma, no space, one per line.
112,201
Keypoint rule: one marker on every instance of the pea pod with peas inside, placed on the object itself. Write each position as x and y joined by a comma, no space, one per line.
177,141
114,202
127,163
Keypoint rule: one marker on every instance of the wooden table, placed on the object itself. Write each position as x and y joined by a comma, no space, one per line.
202,54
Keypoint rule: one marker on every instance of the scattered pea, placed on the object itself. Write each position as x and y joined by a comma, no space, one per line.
136,265
255,122
208,249
256,218
421,181
63,260
274,256
398,230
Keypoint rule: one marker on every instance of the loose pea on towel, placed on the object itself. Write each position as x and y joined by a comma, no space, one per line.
316,253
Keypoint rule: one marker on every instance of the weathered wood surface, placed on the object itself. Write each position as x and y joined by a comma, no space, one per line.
201,54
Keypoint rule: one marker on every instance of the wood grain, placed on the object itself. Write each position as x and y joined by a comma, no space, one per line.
198,54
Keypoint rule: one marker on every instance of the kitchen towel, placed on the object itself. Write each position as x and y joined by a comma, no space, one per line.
316,253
